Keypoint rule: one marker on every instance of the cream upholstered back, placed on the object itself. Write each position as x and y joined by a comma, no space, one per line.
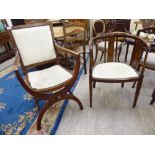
35,44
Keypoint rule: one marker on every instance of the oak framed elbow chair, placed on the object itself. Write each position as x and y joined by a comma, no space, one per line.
36,47
112,71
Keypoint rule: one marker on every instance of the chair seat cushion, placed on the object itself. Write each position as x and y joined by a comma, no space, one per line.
49,77
150,60
113,70
101,45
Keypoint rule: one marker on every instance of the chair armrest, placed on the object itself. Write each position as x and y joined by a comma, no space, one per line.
65,50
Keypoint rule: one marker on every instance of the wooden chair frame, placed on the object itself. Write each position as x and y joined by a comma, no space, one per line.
111,55
59,92
74,42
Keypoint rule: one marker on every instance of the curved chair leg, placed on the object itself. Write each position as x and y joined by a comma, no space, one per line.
139,84
48,104
42,112
72,97
90,92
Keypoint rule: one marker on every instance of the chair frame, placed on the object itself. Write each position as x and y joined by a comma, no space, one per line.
135,59
62,90
76,42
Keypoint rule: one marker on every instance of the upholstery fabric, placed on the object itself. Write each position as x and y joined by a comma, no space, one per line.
150,60
101,45
113,70
48,77
35,44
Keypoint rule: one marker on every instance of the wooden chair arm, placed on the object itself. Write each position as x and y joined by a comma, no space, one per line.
65,50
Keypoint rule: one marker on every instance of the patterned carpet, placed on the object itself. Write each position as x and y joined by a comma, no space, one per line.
18,113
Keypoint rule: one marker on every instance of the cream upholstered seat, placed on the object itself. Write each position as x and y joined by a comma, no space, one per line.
113,70
101,45
49,77
150,60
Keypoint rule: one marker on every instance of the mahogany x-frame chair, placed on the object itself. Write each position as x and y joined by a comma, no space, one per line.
36,47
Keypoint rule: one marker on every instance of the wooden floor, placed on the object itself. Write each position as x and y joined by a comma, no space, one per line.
112,111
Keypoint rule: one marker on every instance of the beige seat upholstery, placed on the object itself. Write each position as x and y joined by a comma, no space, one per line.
150,60
101,45
49,77
113,70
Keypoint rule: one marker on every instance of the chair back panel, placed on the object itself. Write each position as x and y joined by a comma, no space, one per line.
136,53
110,54
35,44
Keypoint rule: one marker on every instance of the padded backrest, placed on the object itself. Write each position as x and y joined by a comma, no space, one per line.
35,44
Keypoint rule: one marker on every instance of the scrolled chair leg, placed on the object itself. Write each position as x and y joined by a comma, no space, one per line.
50,103
74,98
42,112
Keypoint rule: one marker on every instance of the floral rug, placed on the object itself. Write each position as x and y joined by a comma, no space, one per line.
18,113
